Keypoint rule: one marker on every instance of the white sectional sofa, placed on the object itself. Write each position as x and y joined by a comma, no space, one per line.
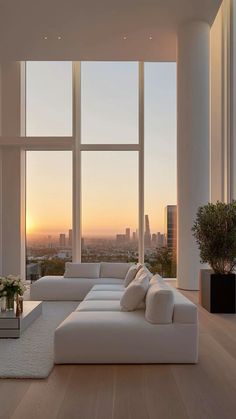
100,331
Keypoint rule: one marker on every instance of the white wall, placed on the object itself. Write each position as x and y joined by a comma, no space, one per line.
216,153
13,260
233,101
12,179
193,136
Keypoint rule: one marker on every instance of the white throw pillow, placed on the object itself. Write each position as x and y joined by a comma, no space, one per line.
159,304
143,269
131,274
135,293
82,270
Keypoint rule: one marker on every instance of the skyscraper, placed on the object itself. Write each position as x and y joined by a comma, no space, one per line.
171,226
62,240
154,240
160,239
147,234
127,234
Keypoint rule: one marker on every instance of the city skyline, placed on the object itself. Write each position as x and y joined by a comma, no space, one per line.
127,233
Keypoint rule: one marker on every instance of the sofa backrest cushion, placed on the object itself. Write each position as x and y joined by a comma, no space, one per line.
159,304
82,270
114,270
135,293
131,274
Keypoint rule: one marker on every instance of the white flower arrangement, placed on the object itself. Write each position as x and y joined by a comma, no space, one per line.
11,285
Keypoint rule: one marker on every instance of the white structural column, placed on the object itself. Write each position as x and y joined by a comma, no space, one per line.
192,143
12,172
76,242
233,98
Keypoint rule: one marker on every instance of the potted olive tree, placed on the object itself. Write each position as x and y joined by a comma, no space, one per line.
215,232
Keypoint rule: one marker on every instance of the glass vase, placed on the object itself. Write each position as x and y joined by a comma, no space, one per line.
10,302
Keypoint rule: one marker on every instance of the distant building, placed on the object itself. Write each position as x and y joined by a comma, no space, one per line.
147,234
160,239
171,226
154,240
134,236
65,254
50,244
70,238
62,240
127,234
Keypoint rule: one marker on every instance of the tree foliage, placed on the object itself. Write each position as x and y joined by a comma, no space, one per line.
215,232
164,262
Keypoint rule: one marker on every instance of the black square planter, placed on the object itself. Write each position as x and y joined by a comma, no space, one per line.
217,292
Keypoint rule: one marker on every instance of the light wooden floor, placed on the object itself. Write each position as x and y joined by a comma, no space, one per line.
203,391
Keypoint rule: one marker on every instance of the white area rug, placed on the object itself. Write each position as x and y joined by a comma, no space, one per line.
31,356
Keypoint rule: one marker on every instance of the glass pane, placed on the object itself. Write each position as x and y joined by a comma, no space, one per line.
48,212
49,98
109,206
160,168
109,102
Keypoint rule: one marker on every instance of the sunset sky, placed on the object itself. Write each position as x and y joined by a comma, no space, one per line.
109,115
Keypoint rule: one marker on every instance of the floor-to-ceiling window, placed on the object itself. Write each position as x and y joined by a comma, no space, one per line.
109,198
125,121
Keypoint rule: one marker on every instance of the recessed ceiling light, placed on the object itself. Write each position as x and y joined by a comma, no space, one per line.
125,38
150,38
59,38
45,38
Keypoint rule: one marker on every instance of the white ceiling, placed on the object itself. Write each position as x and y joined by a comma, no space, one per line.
94,29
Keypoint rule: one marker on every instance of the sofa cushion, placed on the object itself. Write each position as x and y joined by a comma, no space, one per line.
114,270
135,293
104,295
110,281
99,305
82,270
132,272
159,304
108,287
